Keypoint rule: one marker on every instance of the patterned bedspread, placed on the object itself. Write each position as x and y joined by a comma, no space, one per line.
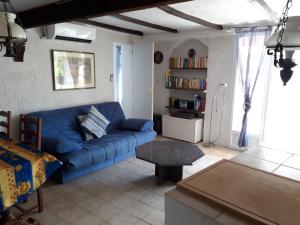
22,171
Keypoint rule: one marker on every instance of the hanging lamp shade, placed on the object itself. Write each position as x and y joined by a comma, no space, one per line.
291,36
18,33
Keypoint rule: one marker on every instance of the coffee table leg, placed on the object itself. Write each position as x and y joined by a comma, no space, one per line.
175,173
165,173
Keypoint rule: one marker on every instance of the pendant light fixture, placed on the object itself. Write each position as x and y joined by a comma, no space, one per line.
12,35
283,43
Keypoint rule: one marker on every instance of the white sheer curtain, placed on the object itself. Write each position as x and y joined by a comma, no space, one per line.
250,87
283,110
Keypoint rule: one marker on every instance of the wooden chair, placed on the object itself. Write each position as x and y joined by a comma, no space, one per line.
30,133
6,123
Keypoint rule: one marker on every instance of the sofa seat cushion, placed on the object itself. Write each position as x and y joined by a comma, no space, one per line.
76,160
60,145
140,137
117,145
121,143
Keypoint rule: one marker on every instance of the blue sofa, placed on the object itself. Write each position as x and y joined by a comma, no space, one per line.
62,136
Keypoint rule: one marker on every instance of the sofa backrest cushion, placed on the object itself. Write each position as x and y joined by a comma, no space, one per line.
63,122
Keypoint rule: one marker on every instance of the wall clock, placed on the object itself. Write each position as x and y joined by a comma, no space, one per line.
192,53
158,57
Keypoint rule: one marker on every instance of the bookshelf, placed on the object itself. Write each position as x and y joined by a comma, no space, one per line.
187,89
188,63
187,68
187,75
185,110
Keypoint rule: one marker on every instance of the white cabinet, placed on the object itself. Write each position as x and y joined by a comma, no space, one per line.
190,130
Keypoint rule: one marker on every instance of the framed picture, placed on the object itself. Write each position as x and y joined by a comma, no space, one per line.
73,70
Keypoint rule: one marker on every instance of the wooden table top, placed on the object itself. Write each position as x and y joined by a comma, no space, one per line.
263,197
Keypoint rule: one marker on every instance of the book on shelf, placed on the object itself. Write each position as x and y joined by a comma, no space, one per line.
188,63
185,83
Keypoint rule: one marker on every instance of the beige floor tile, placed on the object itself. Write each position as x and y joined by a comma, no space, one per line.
155,217
83,181
63,189
124,187
131,205
294,162
164,188
89,219
141,222
57,204
43,216
106,212
108,179
284,147
93,187
72,214
255,162
288,172
107,194
161,207
76,196
269,154
153,199
123,201
137,192
53,220
91,203
123,219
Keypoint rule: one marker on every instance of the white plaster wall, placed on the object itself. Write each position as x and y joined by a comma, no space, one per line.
221,69
27,87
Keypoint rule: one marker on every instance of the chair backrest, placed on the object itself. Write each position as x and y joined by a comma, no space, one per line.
6,123
31,131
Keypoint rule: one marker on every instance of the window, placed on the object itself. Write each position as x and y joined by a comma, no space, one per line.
256,114
283,110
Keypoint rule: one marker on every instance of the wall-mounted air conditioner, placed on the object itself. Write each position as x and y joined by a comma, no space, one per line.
70,32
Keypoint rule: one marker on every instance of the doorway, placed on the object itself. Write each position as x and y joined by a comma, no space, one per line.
134,79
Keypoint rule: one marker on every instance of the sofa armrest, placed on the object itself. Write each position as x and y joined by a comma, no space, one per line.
137,124
59,145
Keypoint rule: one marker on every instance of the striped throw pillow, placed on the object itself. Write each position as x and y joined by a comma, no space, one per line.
86,134
95,122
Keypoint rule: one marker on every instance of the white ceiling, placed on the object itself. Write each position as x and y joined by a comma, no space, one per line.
225,12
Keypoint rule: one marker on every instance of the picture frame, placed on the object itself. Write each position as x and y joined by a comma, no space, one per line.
73,70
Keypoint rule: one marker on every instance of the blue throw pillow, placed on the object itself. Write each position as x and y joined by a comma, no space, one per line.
96,123
60,146
137,124
86,134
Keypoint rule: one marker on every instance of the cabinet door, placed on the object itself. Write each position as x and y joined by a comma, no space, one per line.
183,129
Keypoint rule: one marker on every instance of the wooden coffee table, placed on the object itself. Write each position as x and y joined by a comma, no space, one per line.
169,158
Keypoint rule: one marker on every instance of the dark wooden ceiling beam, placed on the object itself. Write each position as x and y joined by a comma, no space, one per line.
144,23
190,18
70,10
110,27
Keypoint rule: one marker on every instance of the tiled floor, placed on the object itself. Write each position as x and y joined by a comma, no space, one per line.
284,162
124,194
